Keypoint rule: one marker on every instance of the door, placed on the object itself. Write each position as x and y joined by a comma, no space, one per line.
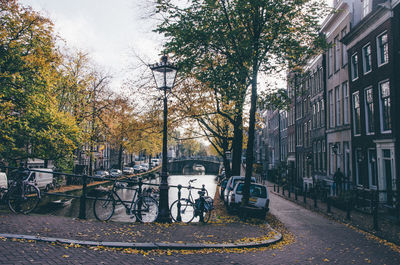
388,174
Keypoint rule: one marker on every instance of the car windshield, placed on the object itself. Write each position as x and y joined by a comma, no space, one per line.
255,190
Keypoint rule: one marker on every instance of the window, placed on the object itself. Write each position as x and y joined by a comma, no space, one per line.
384,98
356,114
366,53
359,159
319,158
314,116
383,49
321,79
369,111
344,48
366,7
337,108
336,54
322,107
331,160
354,67
346,106
330,59
331,117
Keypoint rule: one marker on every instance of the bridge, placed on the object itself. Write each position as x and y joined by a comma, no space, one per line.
210,164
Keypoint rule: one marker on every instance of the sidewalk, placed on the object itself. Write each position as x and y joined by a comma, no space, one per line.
387,230
223,231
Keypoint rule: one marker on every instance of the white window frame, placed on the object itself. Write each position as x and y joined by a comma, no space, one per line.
354,68
336,54
346,101
378,49
367,132
331,109
337,106
381,107
354,113
366,7
367,59
344,48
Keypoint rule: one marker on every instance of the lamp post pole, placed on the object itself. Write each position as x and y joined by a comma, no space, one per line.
163,203
164,74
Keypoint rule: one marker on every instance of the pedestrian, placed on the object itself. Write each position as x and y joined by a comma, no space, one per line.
338,178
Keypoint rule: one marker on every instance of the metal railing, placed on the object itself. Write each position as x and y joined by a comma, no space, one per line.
380,204
85,180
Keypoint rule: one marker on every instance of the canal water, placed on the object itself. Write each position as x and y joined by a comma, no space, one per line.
72,210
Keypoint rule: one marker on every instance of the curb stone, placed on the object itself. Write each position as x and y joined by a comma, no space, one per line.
146,246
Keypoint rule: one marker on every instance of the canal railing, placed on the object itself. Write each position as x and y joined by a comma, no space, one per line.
93,182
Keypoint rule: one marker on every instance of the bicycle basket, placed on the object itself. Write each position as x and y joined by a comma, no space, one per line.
209,203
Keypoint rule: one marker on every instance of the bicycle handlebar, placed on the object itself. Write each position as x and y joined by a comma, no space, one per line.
192,180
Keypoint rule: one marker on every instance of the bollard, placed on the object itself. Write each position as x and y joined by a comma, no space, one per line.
289,193
305,194
283,190
82,202
295,193
203,190
328,204
274,188
375,213
179,217
348,209
278,189
140,184
315,198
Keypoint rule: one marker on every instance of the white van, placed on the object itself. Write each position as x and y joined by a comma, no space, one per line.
3,181
43,180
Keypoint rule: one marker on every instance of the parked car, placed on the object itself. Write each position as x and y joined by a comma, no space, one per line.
137,169
3,184
43,180
101,174
221,187
155,162
115,173
258,201
231,184
145,167
128,170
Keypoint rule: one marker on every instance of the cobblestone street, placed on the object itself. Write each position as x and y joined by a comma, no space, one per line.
317,241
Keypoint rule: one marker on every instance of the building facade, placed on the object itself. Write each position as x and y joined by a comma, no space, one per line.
373,87
338,133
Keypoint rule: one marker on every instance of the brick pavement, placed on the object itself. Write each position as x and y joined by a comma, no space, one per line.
388,230
318,240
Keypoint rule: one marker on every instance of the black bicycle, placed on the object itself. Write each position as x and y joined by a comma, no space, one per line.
143,207
23,196
187,210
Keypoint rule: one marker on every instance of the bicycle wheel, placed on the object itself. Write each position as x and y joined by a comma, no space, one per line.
186,211
146,209
25,202
103,207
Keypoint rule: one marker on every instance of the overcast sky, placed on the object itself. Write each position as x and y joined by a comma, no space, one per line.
110,30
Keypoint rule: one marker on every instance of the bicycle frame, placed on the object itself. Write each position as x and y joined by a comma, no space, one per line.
124,203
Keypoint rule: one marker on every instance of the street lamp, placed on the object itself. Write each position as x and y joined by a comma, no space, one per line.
164,74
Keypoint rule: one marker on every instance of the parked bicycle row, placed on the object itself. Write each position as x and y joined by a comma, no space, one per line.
231,192
22,195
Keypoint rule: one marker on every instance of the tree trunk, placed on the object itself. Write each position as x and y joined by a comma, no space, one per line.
250,143
237,145
120,157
